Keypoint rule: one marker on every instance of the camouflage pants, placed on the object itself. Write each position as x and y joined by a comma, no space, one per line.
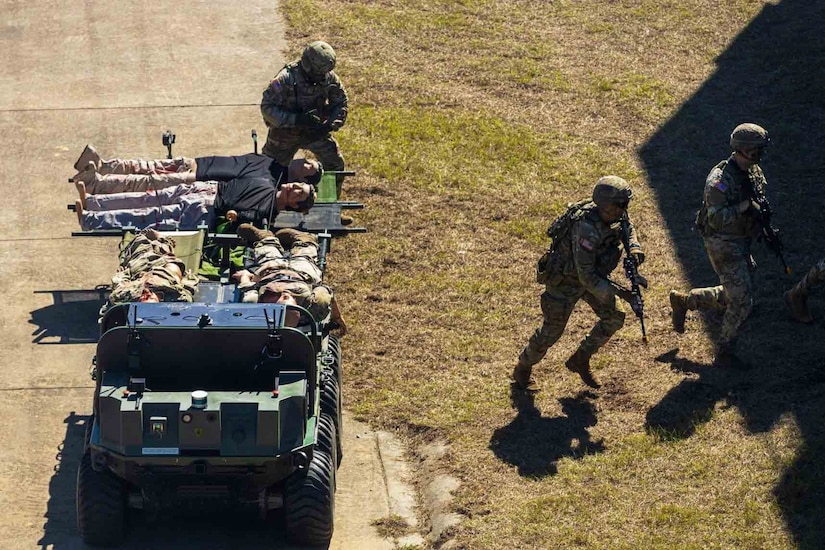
283,144
302,258
734,295
813,278
557,303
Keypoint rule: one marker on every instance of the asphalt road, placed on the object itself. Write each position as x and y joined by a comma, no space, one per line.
115,74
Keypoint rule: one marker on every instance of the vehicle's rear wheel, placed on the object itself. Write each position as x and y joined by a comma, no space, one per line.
309,501
328,437
101,505
331,405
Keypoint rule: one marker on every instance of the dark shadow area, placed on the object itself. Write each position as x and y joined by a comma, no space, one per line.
236,527
535,443
71,319
770,74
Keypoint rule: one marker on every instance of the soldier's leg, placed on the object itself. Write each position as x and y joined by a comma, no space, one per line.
797,297
142,166
556,307
303,252
281,146
611,319
329,153
146,199
730,261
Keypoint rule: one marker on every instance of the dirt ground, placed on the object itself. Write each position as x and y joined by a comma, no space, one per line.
112,74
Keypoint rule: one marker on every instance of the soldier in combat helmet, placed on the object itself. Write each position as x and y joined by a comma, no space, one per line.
728,221
302,106
586,248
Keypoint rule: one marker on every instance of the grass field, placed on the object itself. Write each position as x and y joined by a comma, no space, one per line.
472,123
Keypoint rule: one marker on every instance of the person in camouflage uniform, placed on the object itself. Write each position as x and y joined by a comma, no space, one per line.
576,267
728,220
797,297
281,277
303,105
150,272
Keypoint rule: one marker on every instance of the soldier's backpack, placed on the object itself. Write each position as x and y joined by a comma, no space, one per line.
551,264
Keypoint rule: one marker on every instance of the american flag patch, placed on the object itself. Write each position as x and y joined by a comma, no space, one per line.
720,186
587,245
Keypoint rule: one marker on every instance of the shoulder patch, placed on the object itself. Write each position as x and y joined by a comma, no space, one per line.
587,245
720,185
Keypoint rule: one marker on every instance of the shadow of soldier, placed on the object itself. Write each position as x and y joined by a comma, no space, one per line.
535,443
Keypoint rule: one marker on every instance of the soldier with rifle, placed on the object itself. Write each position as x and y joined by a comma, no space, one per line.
734,211
586,248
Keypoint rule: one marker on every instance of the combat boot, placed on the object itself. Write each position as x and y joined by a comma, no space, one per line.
292,237
252,234
522,379
88,155
579,363
797,301
678,310
725,357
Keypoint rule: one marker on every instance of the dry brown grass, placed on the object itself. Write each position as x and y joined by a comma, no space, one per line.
472,124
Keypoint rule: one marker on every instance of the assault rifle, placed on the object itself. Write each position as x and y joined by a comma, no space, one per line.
767,232
632,272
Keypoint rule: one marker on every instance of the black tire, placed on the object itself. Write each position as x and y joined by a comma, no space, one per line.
331,405
334,349
309,502
327,437
101,505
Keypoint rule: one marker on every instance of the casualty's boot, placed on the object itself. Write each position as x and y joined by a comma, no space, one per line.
346,219
797,301
88,155
579,363
522,379
292,237
678,310
252,234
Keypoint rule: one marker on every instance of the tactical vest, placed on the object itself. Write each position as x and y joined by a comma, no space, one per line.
550,266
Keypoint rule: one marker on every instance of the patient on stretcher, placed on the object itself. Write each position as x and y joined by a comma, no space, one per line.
150,272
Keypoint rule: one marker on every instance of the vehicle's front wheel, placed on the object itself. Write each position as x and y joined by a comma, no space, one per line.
309,502
101,505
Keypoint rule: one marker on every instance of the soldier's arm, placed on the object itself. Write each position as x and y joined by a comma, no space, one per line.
337,102
585,241
720,213
272,103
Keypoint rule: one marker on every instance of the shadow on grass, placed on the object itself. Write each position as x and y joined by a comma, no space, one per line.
535,443
235,527
770,74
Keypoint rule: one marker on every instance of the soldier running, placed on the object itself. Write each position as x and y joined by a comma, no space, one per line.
728,221
586,248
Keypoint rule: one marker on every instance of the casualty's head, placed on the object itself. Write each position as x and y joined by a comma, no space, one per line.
305,170
295,196
612,195
273,293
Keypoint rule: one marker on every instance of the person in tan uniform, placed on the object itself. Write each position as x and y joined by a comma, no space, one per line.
586,248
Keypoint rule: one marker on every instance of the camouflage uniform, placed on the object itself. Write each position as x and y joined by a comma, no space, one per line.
293,93
728,235
296,273
587,255
144,265
797,297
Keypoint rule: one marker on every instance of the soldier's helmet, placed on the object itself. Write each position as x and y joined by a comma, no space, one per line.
612,190
318,59
749,136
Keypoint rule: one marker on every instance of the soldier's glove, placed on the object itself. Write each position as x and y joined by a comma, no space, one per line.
637,255
309,119
335,125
